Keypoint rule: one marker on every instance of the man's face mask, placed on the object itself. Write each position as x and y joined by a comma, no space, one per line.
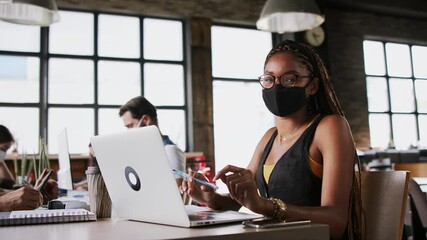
140,123
2,155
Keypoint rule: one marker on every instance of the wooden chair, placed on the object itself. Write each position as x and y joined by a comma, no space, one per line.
419,211
417,169
384,197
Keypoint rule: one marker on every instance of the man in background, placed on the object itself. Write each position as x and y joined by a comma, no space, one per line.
139,112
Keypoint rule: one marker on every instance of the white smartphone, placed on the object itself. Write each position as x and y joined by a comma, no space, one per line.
271,223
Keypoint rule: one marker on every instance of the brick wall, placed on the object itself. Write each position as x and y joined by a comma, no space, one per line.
237,11
346,31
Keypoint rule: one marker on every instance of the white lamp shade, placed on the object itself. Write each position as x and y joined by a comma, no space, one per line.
289,16
30,12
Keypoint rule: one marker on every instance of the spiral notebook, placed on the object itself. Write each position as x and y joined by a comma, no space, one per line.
44,216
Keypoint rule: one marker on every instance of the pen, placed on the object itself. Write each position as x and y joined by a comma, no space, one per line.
27,184
183,174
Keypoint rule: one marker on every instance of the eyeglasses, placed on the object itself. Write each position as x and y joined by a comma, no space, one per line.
287,80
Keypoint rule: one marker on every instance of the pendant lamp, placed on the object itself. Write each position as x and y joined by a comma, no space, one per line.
289,16
29,12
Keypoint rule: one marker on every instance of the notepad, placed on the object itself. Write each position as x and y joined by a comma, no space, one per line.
46,216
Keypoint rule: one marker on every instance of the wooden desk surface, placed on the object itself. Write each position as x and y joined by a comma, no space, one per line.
108,229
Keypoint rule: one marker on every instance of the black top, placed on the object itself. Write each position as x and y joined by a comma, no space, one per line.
292,179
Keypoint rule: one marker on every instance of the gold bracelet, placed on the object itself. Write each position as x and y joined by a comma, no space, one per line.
279,209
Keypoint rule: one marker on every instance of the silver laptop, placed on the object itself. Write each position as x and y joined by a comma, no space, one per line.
65,180
141,182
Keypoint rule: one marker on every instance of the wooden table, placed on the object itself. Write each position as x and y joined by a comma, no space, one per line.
108,229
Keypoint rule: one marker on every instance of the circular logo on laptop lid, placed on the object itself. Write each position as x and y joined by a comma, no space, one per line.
132,178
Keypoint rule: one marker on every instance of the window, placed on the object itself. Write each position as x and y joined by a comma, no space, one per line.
396,77
79,71
238,56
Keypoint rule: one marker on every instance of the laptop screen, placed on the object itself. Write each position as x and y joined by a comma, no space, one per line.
65,180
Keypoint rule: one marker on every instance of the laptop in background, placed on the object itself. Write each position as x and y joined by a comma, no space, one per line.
65,179
141,183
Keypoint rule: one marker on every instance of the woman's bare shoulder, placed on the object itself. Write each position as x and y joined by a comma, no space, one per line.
333,121
268,134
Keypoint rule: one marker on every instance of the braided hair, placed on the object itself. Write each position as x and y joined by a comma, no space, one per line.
325,102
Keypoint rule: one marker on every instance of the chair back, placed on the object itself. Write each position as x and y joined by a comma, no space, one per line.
419,211
384,197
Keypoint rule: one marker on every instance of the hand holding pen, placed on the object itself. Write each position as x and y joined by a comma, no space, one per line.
196,186
188,177
24,198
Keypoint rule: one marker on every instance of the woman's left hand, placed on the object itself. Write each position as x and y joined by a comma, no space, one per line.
241,185
50,189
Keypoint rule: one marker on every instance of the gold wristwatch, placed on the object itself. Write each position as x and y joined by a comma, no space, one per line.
279,209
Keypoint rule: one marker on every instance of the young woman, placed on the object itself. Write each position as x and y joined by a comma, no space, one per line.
304,167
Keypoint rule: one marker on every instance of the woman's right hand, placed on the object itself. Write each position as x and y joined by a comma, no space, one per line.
198,192
25,198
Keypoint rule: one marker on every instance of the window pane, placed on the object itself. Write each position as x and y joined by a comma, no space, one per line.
119,36
419,58
118,81
20,76
421,96
379,127
374,58
109,121
74,34
377,94
164,84
163,39
80,127
71,81
398,60
24,125
239,53
17,37
172,123
402,95
404,131
227,133
422,123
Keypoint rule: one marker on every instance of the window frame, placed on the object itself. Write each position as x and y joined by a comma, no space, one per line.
388,79
43,54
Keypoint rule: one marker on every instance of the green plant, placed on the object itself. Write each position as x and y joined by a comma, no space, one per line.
43,157
27,165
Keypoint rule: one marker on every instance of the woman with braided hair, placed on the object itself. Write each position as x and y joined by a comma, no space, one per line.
304,167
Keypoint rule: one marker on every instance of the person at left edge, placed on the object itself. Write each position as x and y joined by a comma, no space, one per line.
24,198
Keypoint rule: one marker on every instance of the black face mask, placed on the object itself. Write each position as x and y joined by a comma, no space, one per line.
283,101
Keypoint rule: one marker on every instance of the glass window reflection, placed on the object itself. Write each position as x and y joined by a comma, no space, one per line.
118,81
80,127
19,37
373,52
402,95
164,84
118,36
71,81
377,91
74,34
20,76
23,122
163,39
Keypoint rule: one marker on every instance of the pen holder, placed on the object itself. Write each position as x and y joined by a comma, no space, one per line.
100,202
